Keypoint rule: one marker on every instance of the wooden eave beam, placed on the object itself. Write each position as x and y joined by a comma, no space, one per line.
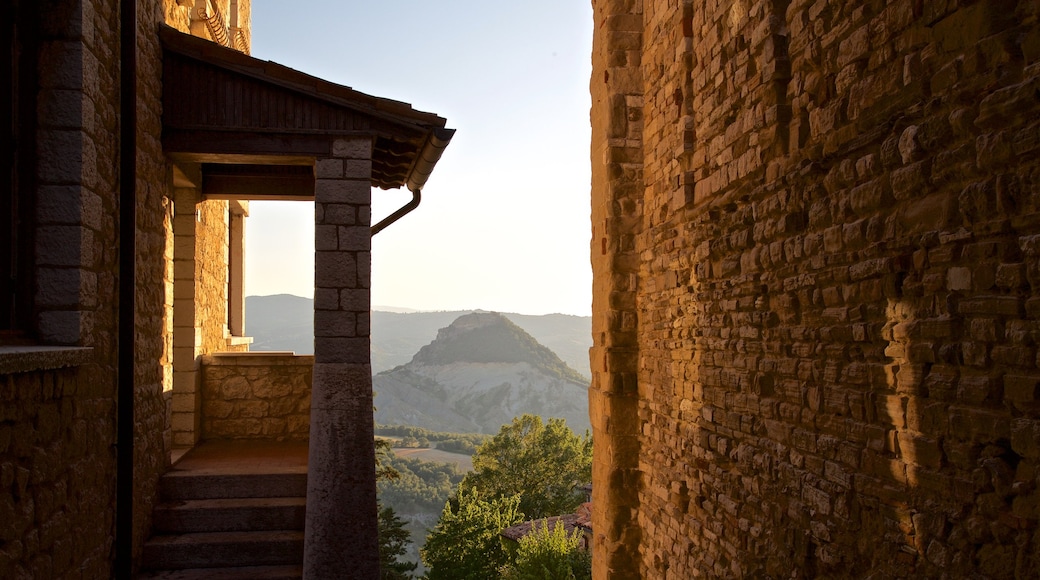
243,182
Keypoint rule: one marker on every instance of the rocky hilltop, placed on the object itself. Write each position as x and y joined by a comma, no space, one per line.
479,373
285,322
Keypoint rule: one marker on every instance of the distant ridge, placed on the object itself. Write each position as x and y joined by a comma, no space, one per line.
285,322
479,373
397,309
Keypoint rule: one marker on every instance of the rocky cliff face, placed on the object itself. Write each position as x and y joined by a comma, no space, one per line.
479,373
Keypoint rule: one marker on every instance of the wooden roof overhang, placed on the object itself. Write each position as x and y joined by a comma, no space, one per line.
252,129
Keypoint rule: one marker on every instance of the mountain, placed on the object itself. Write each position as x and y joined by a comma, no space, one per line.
285,322
479,373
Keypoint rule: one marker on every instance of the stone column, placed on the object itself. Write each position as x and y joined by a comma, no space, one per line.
239,211
186,401
617,193
341,534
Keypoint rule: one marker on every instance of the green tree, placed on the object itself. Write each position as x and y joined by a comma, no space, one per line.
465,544
550,555
384,455
542,462
393,543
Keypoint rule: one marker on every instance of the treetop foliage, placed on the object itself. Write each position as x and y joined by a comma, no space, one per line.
465,544
550,555
542,462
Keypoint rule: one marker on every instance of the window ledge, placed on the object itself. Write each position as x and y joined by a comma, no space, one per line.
27,359
239,340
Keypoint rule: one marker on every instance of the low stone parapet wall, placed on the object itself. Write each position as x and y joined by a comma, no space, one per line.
256,395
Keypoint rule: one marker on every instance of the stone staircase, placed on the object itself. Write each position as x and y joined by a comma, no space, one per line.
227,524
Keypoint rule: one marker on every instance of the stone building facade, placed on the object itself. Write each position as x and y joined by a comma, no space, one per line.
200,156
816,253
58,340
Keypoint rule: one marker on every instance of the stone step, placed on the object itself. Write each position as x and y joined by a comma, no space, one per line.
184,485
223,550
246,573
230,515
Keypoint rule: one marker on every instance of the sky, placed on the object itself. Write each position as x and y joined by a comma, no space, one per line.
504,221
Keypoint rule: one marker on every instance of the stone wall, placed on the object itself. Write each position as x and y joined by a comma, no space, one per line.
56,475
153,358
256,396
57,427
212,224
198,272
816,235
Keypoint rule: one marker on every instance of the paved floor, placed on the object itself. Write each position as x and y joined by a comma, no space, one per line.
236,457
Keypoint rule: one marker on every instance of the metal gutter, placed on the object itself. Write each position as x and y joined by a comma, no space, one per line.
421,170
428,157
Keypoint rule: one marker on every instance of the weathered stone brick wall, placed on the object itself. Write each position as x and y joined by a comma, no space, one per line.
57,427
617,180
256,396
211,275
56,475
837,287
153,372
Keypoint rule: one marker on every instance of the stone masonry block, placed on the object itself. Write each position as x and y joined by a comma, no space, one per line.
342,350
61,65
184,247
352,148
183,438
325,238
1022,388
355,238
344,387
364,269
340,214
358,169
183,403
184,291
61,156
58,286
326,299
335,323
958,279
184,382
1025,437
183,422
329,169
364,323
335,270
64,326
355,300
343,191
64,246
66,109
184,357
60,204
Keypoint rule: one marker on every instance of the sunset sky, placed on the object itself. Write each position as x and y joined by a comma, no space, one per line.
504,222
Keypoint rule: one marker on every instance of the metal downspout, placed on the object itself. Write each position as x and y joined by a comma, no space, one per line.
124,517
430,153
400,213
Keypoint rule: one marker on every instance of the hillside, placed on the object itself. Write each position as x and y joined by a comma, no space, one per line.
479,373
284,322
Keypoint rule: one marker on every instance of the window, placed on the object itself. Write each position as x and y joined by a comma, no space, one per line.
19,38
